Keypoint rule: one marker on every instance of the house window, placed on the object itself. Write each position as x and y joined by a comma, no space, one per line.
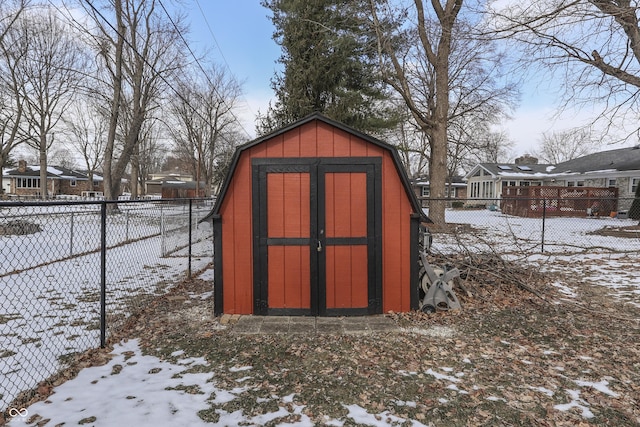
634,184
28,182
475,187
72,183
425,192
575,183
484,190
611,182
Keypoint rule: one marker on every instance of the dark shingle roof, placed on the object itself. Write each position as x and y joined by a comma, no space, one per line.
622,159
52,172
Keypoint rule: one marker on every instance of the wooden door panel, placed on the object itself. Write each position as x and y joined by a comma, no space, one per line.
288,239
289,277
346,278
288,205
346,204
316,243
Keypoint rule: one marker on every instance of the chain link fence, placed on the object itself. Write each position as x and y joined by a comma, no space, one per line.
482,225
71,273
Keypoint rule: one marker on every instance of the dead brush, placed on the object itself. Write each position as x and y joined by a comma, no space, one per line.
487,273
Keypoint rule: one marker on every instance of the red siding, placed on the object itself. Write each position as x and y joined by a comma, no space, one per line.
314,139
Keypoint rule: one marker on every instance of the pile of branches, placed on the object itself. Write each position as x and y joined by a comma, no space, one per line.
487,276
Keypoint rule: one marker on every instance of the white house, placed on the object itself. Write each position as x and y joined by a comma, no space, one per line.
618,168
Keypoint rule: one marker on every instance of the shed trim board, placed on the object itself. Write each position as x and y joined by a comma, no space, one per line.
318,241
341,238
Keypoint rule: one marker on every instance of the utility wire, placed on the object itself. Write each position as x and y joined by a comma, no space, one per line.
215,40
222,100
134,49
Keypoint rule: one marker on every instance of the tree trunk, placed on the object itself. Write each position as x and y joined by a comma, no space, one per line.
438,173
111,188
135,171
44,193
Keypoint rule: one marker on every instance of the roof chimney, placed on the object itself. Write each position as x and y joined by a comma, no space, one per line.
22,166
527,159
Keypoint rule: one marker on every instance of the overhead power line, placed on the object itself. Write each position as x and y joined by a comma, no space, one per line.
215,40
200,65
168,83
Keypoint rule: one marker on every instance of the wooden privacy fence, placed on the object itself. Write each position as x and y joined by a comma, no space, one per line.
538,201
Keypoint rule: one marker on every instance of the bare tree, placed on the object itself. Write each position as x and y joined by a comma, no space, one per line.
204,118
86,129
49,75
473,141
429,56
62,155
151,152
140,55
11,101
594,44
558,147
412,145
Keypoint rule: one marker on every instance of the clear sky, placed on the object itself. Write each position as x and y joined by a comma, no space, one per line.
239,34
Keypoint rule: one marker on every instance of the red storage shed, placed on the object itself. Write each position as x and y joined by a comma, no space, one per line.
315,219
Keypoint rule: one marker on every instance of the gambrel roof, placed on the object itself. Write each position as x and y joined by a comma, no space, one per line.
321,118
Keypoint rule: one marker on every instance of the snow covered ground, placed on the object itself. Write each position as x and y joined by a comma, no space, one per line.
570,246
50,308
144,390
75,229
516,235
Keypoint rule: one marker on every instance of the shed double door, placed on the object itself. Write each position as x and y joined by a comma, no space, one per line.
317,234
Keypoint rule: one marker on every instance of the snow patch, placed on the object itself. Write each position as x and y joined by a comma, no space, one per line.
440,376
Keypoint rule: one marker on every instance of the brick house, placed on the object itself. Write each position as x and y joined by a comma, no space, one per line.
24,181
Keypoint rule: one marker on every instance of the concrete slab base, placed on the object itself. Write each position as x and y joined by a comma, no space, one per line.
312,325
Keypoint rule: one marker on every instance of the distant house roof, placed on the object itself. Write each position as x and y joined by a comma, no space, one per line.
53,172
619,160
171,175
456,181
175,183
623,159
512,170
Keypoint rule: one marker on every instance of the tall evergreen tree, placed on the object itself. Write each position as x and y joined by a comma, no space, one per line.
329,66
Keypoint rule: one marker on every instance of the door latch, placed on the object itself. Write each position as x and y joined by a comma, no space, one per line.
319,247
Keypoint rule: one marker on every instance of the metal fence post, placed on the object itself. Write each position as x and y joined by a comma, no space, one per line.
71,237
103,274
126,215
544,217
163,249
190,239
